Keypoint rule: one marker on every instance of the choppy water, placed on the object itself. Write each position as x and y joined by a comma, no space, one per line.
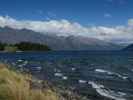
93,74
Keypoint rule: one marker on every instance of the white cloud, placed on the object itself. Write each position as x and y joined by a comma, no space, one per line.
66,28
107,15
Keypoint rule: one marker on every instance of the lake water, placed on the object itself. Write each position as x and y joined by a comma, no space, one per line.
93,74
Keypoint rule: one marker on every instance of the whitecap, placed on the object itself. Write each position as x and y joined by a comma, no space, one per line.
73,69
20,60
58,74
64,77
120,76
103,71
20,65
25,62
39,68
122,93
107,93
111,73
82,81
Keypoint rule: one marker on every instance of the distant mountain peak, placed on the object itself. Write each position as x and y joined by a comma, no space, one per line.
129,48
10,35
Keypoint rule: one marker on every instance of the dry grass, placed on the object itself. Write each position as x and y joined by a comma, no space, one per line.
15,86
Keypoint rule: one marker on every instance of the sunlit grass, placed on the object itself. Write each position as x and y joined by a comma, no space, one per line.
15,86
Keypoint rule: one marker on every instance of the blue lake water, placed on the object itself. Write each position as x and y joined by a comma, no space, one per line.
93,74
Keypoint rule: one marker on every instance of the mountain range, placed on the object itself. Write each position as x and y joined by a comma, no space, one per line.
10,35
128,48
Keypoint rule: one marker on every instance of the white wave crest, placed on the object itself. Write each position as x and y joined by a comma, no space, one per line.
110,73
107,93
103,71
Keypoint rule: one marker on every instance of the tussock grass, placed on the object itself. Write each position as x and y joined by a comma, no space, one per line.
15,86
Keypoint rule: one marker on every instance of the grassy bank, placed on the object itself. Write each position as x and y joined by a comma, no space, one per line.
16,86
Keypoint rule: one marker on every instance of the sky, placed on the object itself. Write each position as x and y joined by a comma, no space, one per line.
110,20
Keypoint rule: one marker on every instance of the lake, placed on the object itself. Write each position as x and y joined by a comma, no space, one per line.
89,73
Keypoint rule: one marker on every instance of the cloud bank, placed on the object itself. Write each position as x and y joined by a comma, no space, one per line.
66,28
